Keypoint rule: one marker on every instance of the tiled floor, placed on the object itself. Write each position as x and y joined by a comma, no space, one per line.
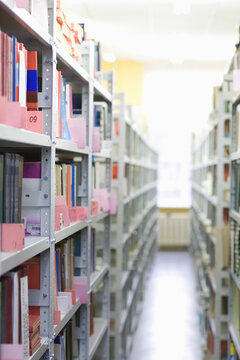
168,325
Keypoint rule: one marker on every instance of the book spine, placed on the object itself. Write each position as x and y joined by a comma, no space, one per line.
32,81
7,188
24,315
1,187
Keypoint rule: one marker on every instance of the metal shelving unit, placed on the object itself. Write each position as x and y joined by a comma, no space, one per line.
21,24
210,217
133,228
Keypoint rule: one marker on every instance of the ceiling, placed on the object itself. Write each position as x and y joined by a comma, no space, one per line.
161,30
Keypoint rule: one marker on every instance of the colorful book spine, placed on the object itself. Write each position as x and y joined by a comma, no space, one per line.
32,81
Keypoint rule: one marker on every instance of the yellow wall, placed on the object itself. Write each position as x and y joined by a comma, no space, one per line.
128,79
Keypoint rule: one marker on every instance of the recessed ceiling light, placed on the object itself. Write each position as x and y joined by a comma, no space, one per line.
109,57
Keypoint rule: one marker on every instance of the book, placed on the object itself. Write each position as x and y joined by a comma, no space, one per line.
32,81
1,187
7,188
25,315
32,183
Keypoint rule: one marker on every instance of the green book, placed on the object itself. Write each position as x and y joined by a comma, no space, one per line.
1,188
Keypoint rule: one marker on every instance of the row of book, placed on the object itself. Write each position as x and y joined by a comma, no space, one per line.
235,263
19,85
20,323
71,35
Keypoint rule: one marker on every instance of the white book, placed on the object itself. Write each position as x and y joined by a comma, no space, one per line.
24,316
15,307
22,78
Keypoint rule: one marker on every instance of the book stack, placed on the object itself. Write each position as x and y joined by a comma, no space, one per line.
37,8
65,296
63,344
14,308
11,178
70,125
34,333
18,92
68,34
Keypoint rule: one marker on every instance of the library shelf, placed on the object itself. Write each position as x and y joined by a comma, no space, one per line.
212,282
125,276
70,230
23,25
235,279
129,343
100,329
235,156
58,328
101,216
212,325
71,69
210,215
235,216
234,337
19,23
101,92
102,155
13,136
136,190
70,147
34,245
41,351
97,276
140,192
212,199
205,165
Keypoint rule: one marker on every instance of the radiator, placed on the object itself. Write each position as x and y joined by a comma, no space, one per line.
173,228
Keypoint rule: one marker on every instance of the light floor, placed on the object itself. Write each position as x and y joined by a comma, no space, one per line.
168,325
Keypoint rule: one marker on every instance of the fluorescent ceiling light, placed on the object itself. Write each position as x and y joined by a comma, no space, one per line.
109,57
181,7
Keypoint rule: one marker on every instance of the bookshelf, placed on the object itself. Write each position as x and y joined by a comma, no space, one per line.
210,222
89,237
133,228
233,326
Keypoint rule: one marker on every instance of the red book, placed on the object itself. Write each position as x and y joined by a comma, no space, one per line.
34,322
115,171
33,266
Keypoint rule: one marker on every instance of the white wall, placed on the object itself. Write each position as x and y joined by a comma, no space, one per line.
177,101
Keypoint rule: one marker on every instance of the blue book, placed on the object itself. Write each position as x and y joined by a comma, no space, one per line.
63,111
95,116
77,104
14,67
77,252
73,185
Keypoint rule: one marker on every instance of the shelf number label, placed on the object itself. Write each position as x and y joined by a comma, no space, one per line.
35,121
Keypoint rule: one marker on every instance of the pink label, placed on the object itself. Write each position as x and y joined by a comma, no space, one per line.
72,213
73,296
13,237
96,139
57,317
81,288
12,352
82,213
113,203
94,207
35,121
78,131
